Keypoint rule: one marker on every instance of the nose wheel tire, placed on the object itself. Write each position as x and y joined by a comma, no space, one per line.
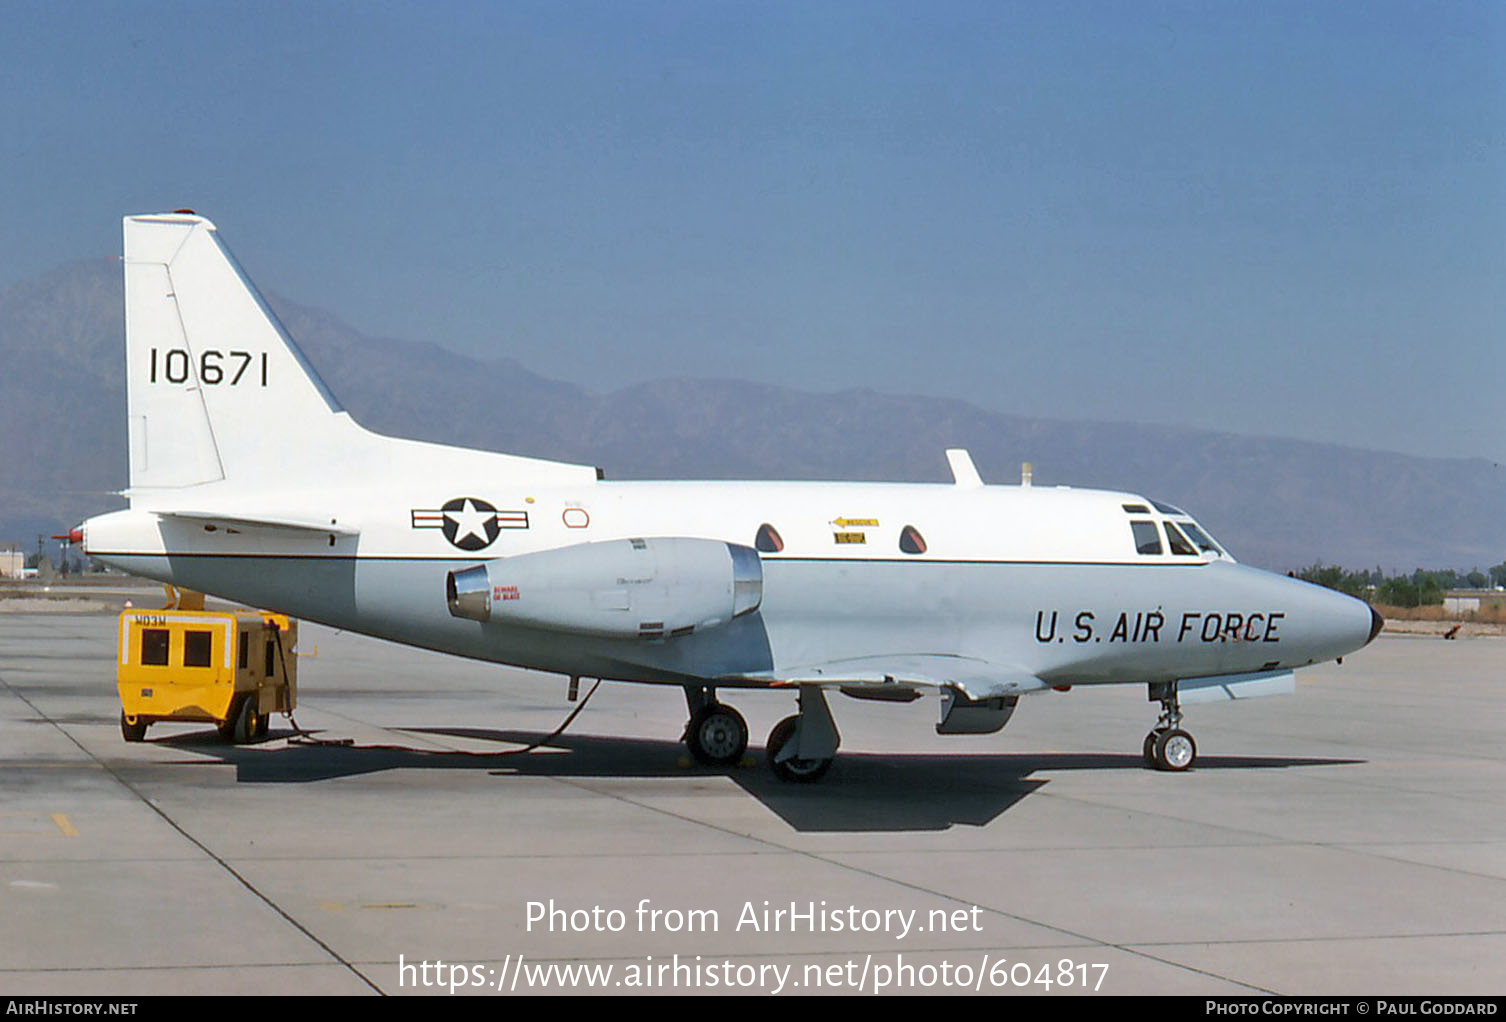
717,735
1174,750
796,771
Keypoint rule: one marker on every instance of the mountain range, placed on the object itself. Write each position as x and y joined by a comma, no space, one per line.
1276,503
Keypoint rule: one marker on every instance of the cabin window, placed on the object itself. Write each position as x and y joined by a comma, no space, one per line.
768,540
197,648
1136,509
1168,509
911,541
1178,542
1147,537
244,656
154,644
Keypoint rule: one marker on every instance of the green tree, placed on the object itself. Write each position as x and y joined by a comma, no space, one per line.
1398,592
1354,583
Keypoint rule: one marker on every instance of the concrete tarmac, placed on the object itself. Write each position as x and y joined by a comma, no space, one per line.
1350,839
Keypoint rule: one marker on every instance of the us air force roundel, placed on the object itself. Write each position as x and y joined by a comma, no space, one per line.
469,523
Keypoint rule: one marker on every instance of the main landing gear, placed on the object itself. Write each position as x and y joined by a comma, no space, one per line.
717,734
1168,747
800,748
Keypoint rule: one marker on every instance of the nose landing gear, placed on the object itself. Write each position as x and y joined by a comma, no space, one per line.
1168,747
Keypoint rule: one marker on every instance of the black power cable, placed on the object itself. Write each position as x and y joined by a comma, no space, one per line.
302,737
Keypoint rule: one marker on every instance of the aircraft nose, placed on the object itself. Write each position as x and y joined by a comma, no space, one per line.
1376,624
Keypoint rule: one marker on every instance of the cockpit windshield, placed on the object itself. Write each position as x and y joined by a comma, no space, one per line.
1183,537
1201,539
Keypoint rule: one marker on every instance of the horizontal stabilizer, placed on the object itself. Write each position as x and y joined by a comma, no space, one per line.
242,522
976,679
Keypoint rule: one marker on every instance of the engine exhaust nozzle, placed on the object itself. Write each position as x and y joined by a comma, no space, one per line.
469,593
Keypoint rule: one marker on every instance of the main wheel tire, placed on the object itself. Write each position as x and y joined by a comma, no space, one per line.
1149,748
717,735
132,729
248,721
1175,750
795,771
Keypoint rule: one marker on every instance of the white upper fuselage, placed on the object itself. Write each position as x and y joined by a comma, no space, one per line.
1046,582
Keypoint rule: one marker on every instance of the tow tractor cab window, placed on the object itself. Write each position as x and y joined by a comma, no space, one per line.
154,645
1178,542
197,648
1147,537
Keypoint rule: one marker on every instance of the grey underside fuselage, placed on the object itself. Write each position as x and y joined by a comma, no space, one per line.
1065,623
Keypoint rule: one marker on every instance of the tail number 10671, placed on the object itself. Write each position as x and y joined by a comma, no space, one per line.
176,365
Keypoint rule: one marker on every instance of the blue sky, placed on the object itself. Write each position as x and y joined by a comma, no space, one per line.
1283,218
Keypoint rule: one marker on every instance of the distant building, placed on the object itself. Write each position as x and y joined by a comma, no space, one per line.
1475,601
12,561
1461,604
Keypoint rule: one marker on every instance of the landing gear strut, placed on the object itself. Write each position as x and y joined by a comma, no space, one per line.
1168,747
800,748
716,734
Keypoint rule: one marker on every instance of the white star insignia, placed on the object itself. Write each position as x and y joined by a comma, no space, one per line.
470,521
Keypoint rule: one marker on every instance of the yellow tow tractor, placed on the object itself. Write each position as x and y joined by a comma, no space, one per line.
232,669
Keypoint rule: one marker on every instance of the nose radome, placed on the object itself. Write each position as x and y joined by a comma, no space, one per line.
1376,624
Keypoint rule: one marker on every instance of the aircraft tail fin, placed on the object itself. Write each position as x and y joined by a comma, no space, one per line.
216,389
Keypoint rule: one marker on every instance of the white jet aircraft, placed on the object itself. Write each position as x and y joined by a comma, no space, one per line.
248,481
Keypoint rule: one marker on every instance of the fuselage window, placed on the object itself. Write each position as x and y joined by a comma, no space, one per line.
768,540
1178,542
1147,537
1136,509
911,541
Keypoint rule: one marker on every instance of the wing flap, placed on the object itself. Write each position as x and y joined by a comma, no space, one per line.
976,679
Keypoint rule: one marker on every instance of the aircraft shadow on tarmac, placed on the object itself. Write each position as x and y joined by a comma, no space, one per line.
863,791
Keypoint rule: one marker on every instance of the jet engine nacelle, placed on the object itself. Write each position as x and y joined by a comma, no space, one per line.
624,588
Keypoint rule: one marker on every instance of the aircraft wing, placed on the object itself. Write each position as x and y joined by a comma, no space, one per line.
242,521
977,679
